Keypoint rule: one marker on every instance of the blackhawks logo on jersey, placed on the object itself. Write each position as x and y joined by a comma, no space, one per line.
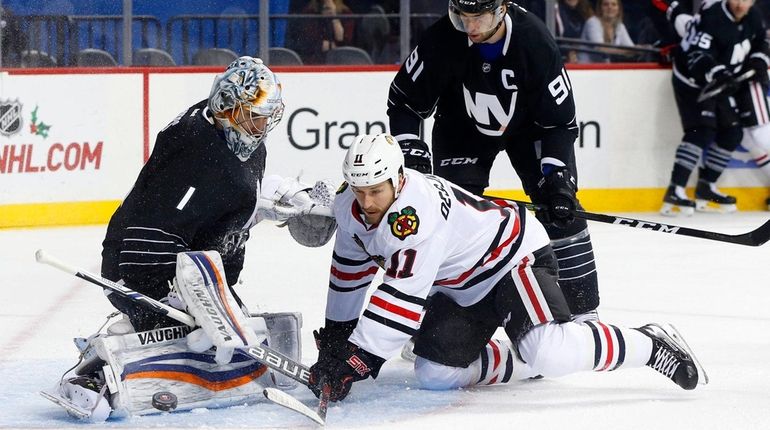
405,223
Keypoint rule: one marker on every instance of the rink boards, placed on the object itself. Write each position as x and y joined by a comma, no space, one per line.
72,141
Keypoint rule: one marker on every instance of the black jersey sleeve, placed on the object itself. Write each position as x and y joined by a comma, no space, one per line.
702,45
554,112
422,78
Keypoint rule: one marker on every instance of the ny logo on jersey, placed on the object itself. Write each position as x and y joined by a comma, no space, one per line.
482,105
740,51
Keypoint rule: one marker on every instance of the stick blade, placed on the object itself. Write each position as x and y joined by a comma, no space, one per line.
288,401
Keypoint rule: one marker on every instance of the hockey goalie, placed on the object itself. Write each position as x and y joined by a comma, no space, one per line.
123,372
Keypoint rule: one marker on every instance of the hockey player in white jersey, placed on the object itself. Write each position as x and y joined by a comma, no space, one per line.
457,267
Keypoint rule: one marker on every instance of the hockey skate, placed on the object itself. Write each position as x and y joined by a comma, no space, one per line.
672,357
709,199
82,397
675,202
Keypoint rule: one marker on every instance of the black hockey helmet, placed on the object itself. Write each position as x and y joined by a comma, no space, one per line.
482,15
475,6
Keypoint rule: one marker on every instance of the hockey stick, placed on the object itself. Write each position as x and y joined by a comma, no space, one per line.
263,354
711,90
756,237
284,399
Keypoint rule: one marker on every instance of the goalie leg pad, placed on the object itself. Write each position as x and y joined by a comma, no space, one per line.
284,336
139,365
201,283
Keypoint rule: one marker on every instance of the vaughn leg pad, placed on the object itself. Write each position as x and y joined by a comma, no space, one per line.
139,365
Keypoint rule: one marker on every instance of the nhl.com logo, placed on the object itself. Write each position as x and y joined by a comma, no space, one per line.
10,117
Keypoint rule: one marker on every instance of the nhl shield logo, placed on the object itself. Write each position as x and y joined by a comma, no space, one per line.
10,117
404,224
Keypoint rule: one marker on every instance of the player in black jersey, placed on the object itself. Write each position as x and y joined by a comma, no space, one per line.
723,41
200,188
495,79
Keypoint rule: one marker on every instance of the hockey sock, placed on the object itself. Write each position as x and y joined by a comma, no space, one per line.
577,272
686,159
615,346
715,163
554,350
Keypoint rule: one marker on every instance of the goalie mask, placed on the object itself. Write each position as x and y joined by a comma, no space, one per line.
373,159
478,16
246,101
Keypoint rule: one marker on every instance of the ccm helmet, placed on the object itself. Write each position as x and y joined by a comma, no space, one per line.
486,13
246,100
373,159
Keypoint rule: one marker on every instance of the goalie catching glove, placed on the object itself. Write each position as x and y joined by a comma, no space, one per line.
307,211
283,198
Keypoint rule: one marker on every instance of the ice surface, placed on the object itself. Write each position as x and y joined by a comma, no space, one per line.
718,296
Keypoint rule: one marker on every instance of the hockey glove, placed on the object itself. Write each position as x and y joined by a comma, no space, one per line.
724,79
333,336
416,155
557,188
341,367
760,69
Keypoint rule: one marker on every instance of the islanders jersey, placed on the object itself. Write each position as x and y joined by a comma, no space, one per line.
435,237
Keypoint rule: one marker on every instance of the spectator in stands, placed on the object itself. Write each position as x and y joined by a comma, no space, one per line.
571,16
13,40
606,27
318,36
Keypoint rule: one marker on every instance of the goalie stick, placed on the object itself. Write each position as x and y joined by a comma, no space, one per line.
711,90
263,354
756,237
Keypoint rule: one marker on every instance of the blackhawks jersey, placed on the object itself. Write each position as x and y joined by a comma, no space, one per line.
714,40
192,194
487,99
435,237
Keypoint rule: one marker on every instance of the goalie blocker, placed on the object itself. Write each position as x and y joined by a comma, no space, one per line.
122,372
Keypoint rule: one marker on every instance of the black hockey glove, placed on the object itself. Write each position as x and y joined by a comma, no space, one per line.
760,69
558,189
416,155
726,80
340,367
334,335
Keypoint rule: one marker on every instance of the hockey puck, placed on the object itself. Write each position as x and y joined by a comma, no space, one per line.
164,401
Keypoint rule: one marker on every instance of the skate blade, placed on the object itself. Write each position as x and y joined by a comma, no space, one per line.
703,378
669,209
708,206
71,408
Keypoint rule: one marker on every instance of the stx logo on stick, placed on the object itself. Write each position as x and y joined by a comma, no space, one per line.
646,225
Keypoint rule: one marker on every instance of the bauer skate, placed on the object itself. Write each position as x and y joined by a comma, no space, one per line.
709,199
675,202
672,357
